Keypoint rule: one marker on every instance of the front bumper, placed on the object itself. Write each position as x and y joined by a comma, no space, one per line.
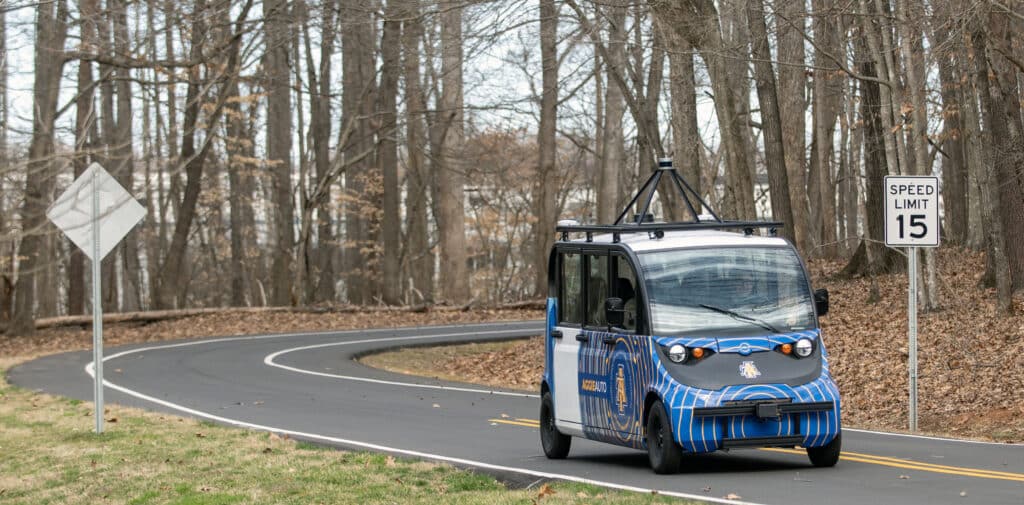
762,415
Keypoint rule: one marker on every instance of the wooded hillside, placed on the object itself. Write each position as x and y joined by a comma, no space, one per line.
409,152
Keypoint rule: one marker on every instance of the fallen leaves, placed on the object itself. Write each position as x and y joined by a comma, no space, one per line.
733,496
544,492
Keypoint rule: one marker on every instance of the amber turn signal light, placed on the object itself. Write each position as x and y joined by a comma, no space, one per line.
697,352
786,348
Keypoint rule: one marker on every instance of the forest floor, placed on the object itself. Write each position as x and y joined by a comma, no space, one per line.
971,361
239,322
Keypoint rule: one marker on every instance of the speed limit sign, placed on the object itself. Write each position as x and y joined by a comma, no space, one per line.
911,211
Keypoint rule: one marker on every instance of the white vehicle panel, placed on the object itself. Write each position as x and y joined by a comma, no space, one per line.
568,418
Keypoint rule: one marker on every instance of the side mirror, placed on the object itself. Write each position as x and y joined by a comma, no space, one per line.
614,311
821,301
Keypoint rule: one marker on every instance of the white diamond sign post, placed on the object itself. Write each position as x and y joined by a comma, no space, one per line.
95,213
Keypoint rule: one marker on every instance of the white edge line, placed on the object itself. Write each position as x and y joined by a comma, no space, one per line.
376,447
929,437
269,361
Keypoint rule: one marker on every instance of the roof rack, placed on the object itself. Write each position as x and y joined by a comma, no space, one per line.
643,222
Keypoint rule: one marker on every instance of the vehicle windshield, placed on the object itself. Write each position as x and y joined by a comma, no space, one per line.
727,291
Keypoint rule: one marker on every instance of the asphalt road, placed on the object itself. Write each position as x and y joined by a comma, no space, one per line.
309,386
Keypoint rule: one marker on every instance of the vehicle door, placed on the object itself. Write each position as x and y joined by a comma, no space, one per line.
566,335
623,351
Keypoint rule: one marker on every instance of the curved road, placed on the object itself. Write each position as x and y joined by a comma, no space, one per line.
307,385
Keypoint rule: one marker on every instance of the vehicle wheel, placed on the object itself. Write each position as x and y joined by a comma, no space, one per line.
663,451
555,444
826,455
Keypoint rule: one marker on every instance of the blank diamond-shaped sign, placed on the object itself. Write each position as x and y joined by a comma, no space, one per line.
118,211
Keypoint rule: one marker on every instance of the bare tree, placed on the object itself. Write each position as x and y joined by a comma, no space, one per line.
279,144
387,152
771,120
545,182
698,22
51,32
419,254
450,176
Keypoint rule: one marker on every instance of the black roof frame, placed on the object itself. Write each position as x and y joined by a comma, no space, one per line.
650,187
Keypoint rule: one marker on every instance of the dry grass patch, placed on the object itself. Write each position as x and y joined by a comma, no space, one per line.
50,455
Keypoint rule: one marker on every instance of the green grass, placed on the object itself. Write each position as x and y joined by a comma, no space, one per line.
49,455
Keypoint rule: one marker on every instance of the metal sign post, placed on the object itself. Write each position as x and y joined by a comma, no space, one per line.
97,306
912,221
912,333
95,213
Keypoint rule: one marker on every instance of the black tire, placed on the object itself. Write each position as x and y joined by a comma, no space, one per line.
826,455
664,453
555,444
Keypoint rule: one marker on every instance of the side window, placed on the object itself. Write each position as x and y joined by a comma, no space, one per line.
625,287
570,295
597,290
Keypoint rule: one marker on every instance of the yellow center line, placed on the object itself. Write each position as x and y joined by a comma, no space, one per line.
859,458
914,465
515,423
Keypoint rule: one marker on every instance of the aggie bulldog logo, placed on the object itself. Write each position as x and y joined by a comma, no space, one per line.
748,370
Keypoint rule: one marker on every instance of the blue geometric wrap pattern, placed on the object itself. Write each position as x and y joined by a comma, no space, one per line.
618,380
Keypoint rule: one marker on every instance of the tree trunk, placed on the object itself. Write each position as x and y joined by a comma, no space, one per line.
685,134
51,32
357,107
279,145
1008,139
419,252
124,160
827,96
451,177
613,158
85,123
387,154
235,142
321,124
791,24
872,257
6,255
107,156
546,183
954,162
912,48
993,130
771,122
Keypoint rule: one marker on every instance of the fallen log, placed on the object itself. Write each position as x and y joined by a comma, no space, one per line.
152,316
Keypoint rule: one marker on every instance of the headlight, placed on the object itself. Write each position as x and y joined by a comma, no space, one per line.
804,347
677,353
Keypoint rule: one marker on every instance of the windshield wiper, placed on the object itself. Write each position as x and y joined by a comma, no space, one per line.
741,317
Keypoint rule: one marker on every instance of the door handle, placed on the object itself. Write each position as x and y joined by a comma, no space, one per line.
581,337
556,333
608,339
